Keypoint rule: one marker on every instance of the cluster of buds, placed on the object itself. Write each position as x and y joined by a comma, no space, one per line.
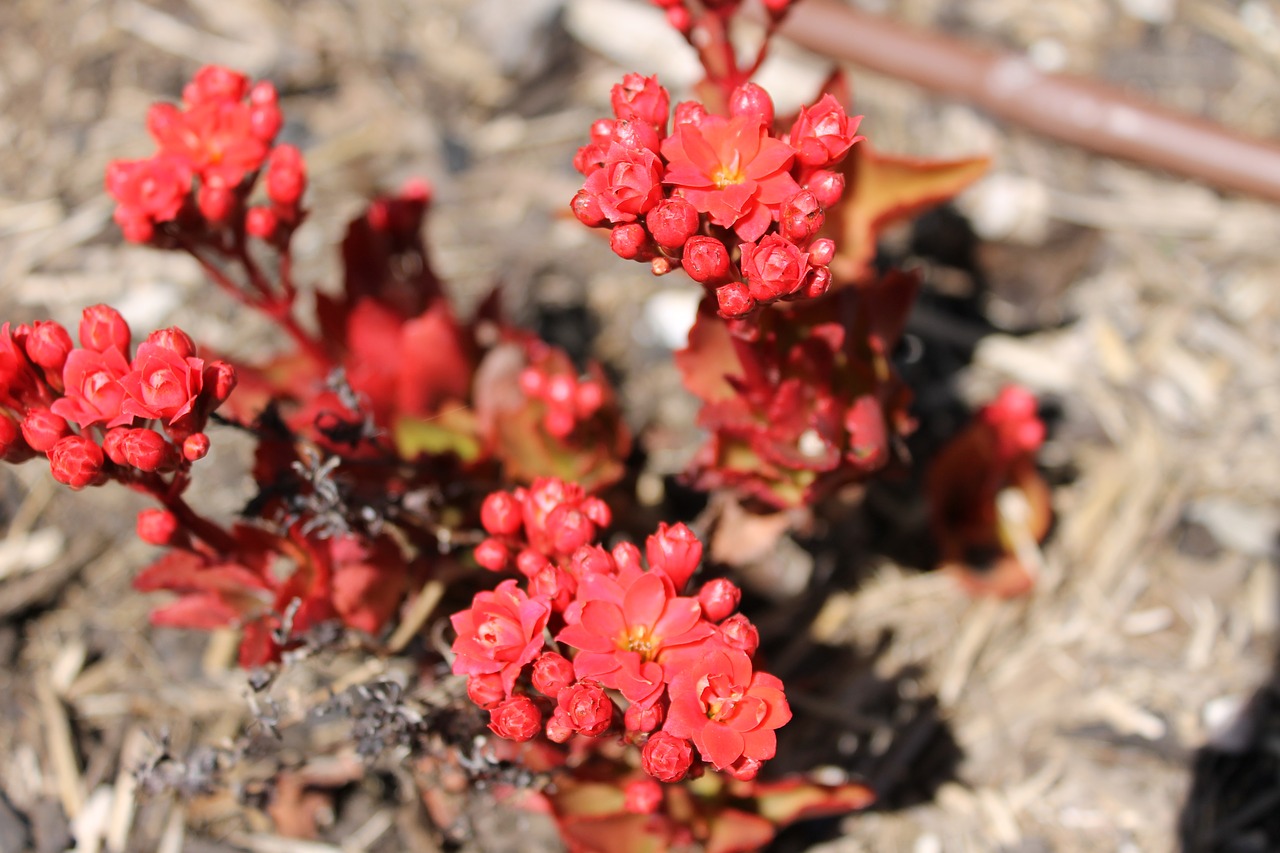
568,399
736,205
681,17
208,156
98,413
631,653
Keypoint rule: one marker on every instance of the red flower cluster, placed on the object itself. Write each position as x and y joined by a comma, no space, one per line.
222,137
97,412
674,672
738,207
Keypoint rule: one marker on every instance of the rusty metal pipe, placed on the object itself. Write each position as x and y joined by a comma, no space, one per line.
1071,109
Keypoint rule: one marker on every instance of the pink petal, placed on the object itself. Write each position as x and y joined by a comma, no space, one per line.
720,744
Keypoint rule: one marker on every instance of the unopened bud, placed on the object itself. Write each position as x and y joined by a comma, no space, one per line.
157,526
750,99
195,447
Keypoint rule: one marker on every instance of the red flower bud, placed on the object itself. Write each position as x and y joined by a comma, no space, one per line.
602,131
76,461
680,19
827,186
823,133
775,267
675,551
738,632
113,445
214,84
215,202
486,689
569,529
286,175
672,222
750,99
559,729
734,300
195,447
588,397
642,796
219,380
643,99
13,449
690,112
745,769
818,282
822,251
626,556
529,562
643,718
157,526
261,222
559,422
144,449
596,510
705,259
588,708
516,719
48,345
635,135
593,560
630,242
265,117
501,514
101,327
552,673
173,339
553,584
587,209
719,598
666,758
801,217
492,555
42,429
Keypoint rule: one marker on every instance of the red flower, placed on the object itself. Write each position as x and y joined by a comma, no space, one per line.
93,390
622,624
628,185
162,384
774,268
215,84
823,133
516,719
76,461
500,633
215,139
586,707
102,327
146,192
675,551
726,709
732,170
643,99
666,758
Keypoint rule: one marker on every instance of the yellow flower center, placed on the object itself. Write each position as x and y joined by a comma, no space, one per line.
729,173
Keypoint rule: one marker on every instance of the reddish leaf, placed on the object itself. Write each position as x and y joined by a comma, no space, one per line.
881,189
797,799
709,358
617,833
201,611
733,831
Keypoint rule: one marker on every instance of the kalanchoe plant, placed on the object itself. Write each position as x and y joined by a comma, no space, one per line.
390,433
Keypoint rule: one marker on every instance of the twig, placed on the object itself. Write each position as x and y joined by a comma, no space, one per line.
1071,109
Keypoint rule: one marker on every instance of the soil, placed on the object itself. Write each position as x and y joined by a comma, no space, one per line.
1128,703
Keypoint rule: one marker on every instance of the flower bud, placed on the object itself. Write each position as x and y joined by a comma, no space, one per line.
745,769
219,380
529,562
801,217
672,221
586,209
492,555
76,461
719,598
822,251
113,445
750,99
559,729
261,222
629,242
195,447
642,99
516,719
486,690
827,186
157,526
559,423
705,259
675,551
626,556
101,327
173,339
286,175
734,300
215,84
569,529
588,708
13,448
48,345
265,118
680,19
555,585
642,796
588,397
215,202
501,514
636,134
738,632
592,560
817,282
144,449
690,112
552,673
596,510
42,429
666,757
643,718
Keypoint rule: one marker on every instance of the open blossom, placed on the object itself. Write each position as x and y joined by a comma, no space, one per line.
163,383
729,711
93,391
500,633
622,625
732,170
216,139
146,192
